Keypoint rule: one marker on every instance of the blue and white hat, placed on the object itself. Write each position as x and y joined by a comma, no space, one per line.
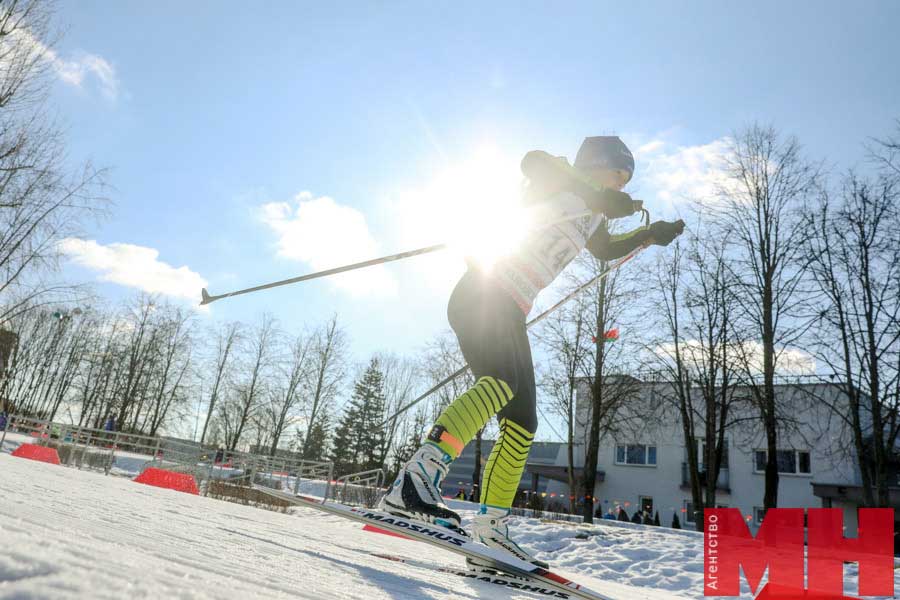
606,151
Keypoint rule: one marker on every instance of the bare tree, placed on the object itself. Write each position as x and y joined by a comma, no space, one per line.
854,254
42,202
768,183
173,366
608,394
226,340
287,398
252,389
565,337
696,352
326,375
400,379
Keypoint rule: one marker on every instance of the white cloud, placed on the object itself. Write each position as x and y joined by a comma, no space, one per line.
75,72
680,173
22,47
789,361
134,266
325,234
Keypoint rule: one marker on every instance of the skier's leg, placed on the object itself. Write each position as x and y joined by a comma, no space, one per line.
468,414
506,463
483,318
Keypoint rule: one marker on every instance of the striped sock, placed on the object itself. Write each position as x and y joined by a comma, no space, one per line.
466,415
505,465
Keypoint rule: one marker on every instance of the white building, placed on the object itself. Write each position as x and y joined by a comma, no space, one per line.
642,459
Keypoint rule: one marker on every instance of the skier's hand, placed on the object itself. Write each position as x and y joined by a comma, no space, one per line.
662,233
611,203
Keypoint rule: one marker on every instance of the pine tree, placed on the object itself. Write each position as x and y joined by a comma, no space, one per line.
368,398
343,447
676,523
359,440
623,515
656,519
317,449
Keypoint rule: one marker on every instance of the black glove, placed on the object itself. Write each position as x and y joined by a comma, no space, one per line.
662,233
611,203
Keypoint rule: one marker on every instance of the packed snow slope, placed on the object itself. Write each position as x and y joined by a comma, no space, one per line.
66,533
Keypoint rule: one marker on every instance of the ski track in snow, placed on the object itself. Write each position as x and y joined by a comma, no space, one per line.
66,533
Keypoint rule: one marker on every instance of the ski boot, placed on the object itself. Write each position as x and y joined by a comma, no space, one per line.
415,494
490,527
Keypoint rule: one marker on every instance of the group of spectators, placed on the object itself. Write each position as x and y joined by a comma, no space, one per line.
462,495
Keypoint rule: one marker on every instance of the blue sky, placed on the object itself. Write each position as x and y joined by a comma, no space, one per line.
256,142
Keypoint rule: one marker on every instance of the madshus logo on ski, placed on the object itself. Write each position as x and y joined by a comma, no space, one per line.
398,522
513,585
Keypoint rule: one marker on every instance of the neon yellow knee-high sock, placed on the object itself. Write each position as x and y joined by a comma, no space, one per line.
466,415
505,465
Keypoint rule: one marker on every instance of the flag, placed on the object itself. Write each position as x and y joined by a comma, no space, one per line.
610,336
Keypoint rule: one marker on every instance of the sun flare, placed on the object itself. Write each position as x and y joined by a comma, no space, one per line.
473,205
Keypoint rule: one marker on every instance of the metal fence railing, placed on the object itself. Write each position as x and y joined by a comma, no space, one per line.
129,454
228,475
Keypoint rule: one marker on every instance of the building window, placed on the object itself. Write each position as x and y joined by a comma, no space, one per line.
635,454
647,504
700,446
758,514
790,462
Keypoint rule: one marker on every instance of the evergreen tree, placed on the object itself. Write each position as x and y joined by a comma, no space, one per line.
317,448
623,515
676,523
359,440
368,397
656,519
343,447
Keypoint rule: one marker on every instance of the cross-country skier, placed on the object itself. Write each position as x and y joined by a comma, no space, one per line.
488,310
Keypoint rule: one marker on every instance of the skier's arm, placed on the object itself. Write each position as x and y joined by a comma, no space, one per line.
551,175
605,246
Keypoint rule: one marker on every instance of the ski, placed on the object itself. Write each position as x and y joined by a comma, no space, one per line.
442,538
494,579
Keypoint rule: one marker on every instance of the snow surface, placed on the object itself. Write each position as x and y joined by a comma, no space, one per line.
66,533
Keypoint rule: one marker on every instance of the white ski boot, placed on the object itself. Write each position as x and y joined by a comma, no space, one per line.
490,527
416,493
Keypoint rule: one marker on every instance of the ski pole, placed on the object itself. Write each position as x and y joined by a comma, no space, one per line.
207,298
533,321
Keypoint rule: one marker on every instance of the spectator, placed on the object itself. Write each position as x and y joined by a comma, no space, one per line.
609,516
461,494
220,454
2,420
110,424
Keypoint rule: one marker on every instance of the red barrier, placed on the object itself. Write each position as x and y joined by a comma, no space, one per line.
38,453
171,480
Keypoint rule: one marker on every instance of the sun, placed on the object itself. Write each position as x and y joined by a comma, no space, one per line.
474,205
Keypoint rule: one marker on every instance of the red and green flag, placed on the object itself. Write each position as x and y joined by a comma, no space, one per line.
608,336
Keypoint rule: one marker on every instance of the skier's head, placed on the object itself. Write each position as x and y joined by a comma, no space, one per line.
606,160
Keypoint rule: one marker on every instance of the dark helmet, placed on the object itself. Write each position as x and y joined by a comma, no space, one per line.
606,151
